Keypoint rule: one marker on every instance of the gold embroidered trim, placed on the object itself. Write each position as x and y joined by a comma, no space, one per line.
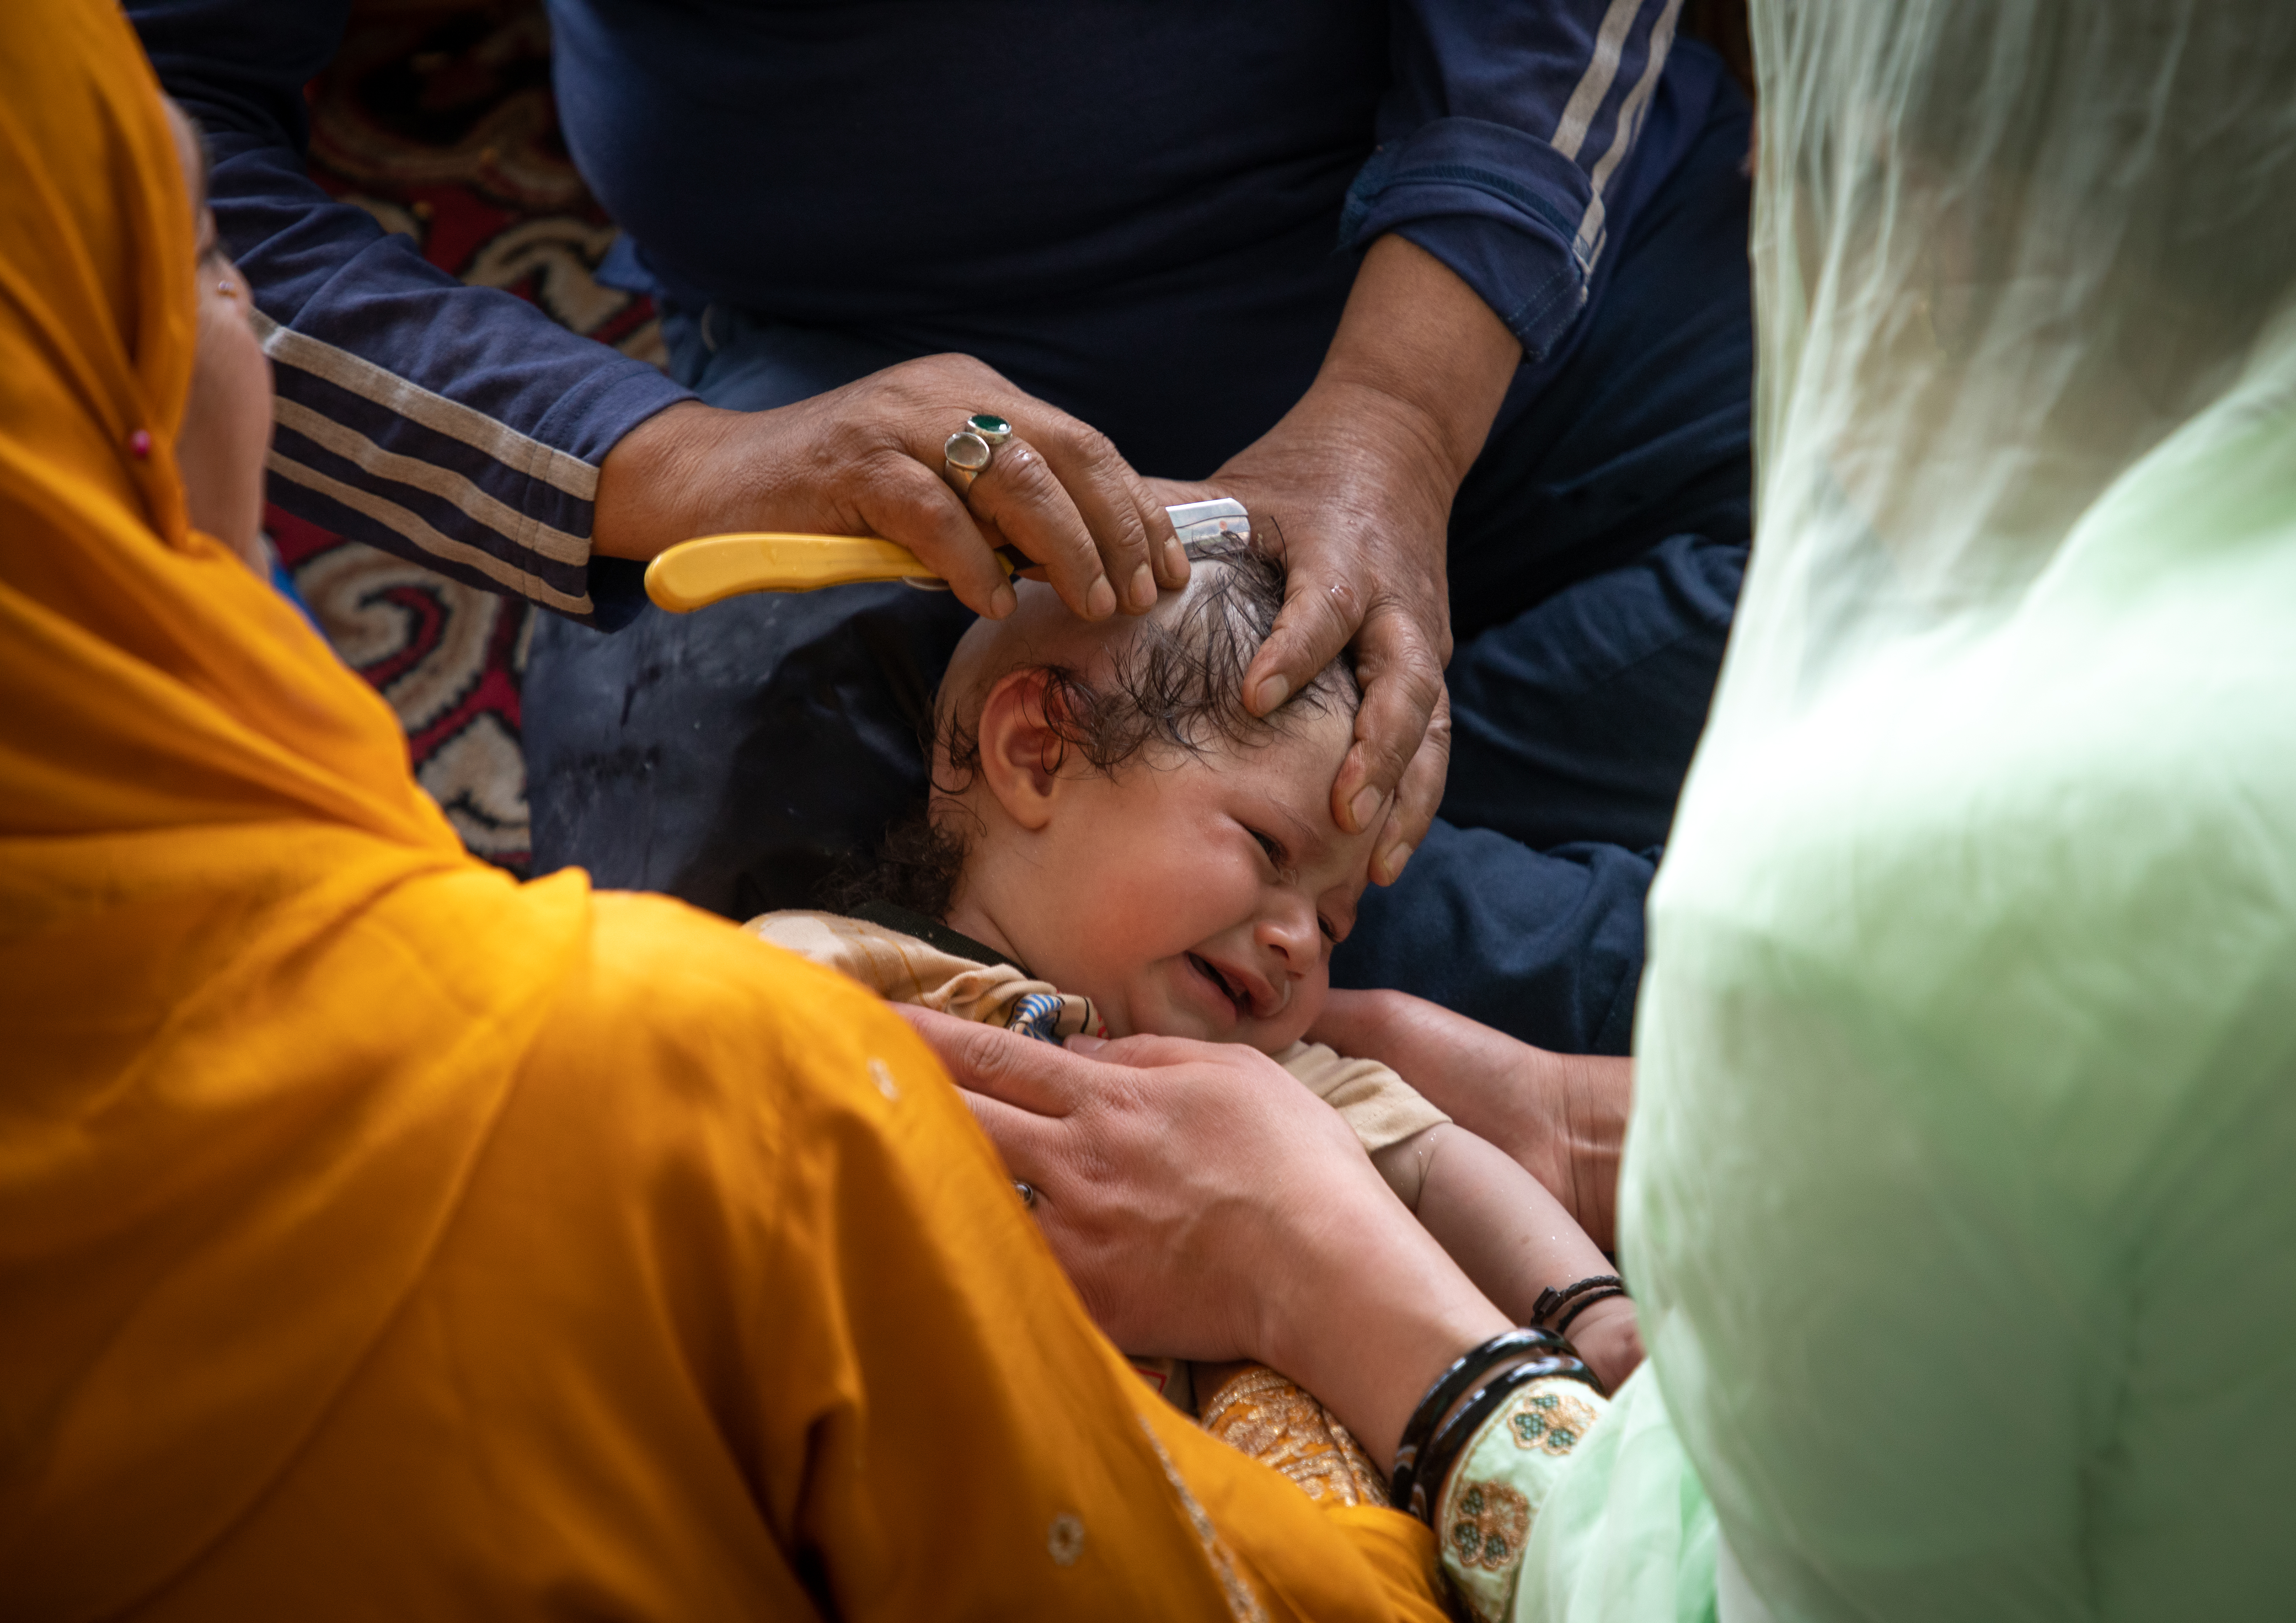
1484,1517
1259,1413
1551,1421
1243,1604
1486,1526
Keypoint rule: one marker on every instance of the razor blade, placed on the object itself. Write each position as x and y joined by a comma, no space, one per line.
694,574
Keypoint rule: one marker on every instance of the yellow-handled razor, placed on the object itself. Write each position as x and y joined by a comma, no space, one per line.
694,574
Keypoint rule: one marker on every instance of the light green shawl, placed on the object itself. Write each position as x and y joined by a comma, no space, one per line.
1960,1194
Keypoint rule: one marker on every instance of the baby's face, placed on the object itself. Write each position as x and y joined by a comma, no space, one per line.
1203,898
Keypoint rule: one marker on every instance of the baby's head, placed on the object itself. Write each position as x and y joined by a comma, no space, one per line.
1119,821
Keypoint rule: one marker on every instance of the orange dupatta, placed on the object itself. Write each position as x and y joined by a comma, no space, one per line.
379,1236
223,1087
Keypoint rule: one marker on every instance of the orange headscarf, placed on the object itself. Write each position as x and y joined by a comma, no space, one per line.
218,1091
380,1237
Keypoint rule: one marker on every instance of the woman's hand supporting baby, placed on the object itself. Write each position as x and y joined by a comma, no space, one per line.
1209,1207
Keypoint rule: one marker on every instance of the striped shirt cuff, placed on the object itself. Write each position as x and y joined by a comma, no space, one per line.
378,458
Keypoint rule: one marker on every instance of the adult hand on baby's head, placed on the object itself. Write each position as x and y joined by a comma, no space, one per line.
1206,1206
1364,547
1139,1154
1364,544
866,460
1562,1116
1359,476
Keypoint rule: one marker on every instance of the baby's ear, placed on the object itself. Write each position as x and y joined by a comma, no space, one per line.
1020,750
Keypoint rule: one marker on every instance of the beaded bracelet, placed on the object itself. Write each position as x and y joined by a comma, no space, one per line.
1552,1300
1449,1387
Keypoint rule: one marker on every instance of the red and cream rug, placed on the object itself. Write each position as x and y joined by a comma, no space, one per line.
438,121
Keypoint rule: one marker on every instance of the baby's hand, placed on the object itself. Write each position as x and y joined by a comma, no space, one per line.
1608,1338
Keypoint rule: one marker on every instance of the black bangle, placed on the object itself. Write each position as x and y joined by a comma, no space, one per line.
1562,1325
1449,1387
1457,1434
1443,1453
1552,1300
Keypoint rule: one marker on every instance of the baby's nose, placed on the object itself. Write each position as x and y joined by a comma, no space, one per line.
1292,933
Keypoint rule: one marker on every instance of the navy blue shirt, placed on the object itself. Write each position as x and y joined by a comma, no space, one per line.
1147,211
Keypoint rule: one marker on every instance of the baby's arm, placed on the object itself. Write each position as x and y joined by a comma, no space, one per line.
1510,1235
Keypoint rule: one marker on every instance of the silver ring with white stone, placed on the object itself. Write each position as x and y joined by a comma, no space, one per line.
967,453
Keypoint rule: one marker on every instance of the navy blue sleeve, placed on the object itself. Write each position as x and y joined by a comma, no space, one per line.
1499,139
457,426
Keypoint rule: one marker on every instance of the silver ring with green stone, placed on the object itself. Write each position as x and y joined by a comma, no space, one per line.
968,451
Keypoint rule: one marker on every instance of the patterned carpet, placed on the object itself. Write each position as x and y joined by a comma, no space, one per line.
438,121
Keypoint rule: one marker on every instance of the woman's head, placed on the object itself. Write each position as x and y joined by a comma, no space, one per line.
1106,808
158,681
226,427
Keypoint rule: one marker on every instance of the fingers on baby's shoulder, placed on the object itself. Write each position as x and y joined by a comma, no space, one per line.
1152,1065
932,1025
967,1047
1000,1064
1144,1053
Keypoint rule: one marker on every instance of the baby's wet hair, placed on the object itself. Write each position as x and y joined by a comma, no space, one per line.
1171,690
1176,685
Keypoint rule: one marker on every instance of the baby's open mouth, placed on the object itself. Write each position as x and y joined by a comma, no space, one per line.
1234,991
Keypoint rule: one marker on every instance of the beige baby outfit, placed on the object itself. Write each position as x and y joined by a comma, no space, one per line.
961,977
907,958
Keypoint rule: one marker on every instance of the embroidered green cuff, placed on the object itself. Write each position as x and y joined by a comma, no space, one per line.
1485,1515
